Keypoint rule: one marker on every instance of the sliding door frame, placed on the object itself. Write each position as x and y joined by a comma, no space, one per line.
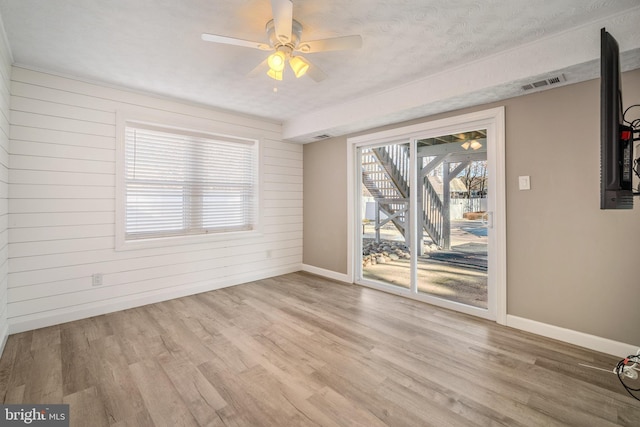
493,120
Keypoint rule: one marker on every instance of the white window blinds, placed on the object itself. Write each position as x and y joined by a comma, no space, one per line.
182,183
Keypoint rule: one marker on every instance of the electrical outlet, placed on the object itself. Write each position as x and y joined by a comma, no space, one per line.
96,279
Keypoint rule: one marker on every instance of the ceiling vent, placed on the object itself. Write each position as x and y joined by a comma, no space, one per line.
323,136
546,82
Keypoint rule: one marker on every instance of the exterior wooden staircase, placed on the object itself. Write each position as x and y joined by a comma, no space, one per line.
391,196
385,174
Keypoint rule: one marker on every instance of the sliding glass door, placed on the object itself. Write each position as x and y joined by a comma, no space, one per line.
425,216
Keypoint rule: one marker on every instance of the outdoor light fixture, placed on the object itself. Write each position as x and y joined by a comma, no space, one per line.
474,145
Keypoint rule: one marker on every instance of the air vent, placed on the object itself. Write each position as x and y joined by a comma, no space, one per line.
546,82
323,136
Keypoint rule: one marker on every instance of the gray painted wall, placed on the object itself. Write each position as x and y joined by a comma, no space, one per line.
569,263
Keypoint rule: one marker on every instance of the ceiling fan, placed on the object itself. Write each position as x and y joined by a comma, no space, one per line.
284,38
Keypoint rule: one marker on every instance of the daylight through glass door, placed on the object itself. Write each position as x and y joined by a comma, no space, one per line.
449,236
385,214
453,216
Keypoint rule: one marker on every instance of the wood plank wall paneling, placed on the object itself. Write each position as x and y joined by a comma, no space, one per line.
62,206
5,84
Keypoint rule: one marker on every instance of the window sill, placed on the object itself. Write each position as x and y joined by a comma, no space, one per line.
194,239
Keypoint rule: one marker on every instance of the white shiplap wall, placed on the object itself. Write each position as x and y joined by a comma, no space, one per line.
62,207
5,83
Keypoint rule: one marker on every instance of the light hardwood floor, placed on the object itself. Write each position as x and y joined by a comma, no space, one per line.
302,350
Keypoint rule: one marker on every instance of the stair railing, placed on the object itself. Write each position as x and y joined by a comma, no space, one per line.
392,164
432,217
395,161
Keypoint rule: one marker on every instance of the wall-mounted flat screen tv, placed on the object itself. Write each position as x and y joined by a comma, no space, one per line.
616,148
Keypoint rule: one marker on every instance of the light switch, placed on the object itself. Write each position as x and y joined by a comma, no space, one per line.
524,182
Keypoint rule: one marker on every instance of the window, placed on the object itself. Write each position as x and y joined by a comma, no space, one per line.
179,182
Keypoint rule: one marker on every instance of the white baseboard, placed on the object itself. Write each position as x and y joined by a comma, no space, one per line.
69,314
55,317
326,273
592,342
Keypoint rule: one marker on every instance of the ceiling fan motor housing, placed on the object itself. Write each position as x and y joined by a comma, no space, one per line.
275,42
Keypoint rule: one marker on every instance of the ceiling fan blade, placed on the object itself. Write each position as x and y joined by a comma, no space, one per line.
262,68
315,73
282,19
336,43
233,41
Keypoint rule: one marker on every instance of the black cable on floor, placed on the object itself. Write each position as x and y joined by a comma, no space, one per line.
619,370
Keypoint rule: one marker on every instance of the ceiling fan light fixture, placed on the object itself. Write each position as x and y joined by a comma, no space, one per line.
276,61
284,35
299,65
276,75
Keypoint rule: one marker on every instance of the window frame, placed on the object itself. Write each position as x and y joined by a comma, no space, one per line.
179,125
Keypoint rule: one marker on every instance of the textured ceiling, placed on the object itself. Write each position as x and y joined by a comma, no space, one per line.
155,45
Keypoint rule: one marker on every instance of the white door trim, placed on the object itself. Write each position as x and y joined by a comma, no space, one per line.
494,121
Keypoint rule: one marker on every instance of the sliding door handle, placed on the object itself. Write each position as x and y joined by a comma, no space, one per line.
487,219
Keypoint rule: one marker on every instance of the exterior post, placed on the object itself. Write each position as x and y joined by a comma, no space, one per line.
377,227
446,206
